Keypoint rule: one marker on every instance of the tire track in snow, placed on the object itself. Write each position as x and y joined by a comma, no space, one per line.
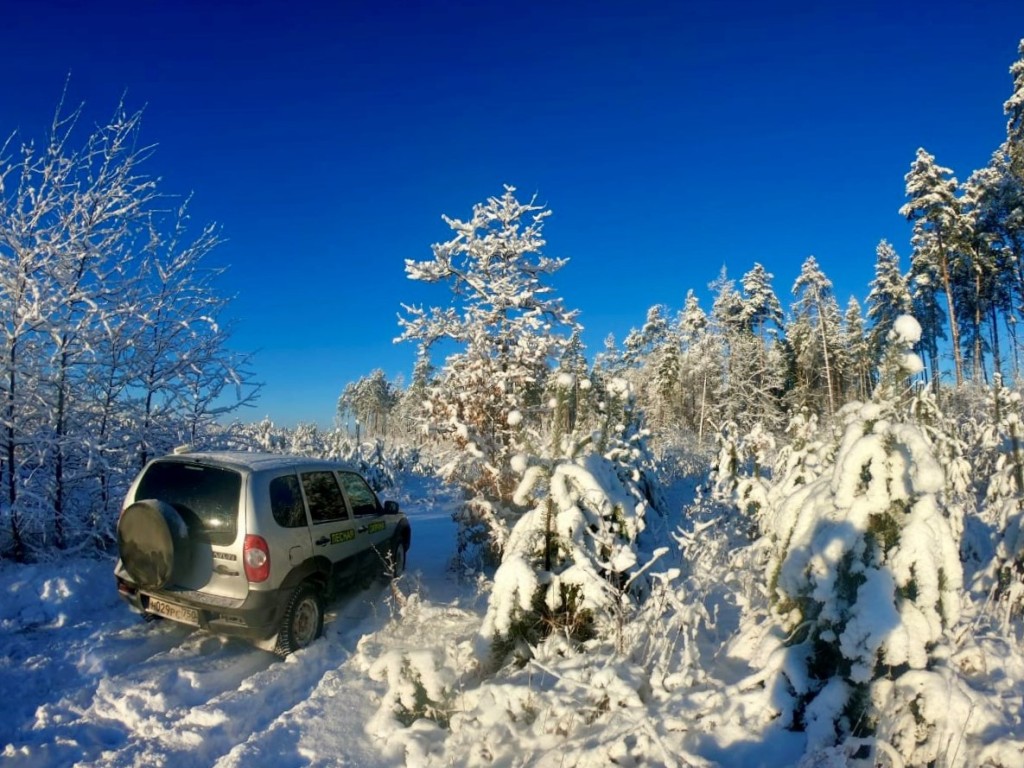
190,708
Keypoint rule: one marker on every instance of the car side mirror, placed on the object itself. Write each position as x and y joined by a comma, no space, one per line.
390,507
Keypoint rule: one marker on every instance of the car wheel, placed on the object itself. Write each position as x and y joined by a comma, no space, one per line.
398,554
152,541
303,620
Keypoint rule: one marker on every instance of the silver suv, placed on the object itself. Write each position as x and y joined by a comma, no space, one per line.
252,545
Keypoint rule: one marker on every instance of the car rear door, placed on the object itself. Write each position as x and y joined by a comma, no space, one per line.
334,530
208,499
372,527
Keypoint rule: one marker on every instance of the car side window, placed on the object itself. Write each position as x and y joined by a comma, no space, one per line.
286,502
360,495
324,497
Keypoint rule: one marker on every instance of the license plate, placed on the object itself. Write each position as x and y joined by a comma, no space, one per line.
174,611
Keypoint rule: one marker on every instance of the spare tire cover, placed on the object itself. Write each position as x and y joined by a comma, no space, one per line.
152,540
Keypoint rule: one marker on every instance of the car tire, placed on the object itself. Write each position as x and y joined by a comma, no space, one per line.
303,620
396,567
152,541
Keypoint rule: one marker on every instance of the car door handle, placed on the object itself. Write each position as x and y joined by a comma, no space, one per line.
361,529
323,541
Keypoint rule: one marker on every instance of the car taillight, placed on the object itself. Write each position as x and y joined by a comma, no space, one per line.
256,558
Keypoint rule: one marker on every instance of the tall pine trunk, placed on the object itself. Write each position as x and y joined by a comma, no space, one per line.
954,325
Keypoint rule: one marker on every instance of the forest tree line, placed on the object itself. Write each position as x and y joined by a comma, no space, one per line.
751,358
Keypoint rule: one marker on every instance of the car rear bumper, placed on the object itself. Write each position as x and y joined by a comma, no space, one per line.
258,617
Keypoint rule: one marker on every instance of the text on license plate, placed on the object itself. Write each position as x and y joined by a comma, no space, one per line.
172,611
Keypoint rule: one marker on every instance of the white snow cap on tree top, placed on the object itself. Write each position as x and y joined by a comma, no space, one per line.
906,329
906,332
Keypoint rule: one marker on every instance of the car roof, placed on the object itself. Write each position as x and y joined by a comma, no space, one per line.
254,462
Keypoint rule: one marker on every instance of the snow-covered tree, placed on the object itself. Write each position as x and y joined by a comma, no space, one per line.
700,366
509,327
935,262
571,559
888,298
993,203
858,363
369,402
1014,108
639,344
867,579
81,238
180,333
761,310
814,337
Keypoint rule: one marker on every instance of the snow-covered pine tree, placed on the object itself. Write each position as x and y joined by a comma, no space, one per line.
857,379
806,455
368,403
509,327
888,298
639,344
756,373
750,381
993,208
725,472
866,579
814,336
936,262
761,310
700,366
1014,109
757,447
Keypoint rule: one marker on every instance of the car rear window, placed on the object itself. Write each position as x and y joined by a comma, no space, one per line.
206,497
286,502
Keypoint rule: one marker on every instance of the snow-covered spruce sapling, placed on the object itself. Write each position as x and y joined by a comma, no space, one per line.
568,560
867,580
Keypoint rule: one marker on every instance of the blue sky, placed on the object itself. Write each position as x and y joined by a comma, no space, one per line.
669,139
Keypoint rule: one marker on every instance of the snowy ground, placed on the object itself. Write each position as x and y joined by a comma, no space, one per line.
395,679
87,682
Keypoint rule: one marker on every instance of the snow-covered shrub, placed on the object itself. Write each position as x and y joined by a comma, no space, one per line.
803,459
1004,498
951,450
866,578
757,446
726,469
419,686
740,475
662,638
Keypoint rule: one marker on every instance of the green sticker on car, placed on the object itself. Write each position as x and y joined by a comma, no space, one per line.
376,527
339,537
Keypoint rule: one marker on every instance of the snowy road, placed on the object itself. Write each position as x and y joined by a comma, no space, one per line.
88,683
